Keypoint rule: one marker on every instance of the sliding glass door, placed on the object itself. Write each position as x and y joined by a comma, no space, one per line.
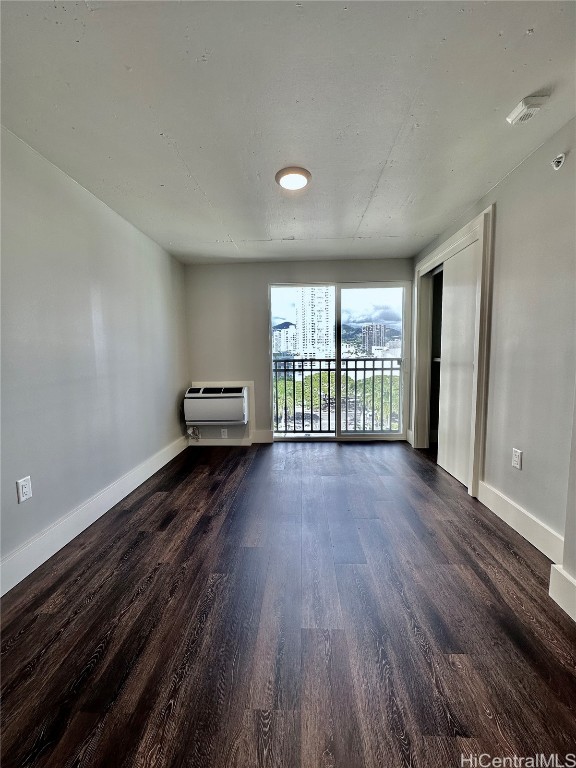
338,360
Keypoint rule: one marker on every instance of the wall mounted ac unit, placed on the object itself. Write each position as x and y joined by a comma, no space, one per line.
216,405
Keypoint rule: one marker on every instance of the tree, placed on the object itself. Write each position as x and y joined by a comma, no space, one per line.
377,396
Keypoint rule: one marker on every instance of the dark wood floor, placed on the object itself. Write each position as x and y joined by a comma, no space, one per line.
314,605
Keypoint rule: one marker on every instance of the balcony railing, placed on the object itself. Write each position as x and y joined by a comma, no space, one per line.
305,396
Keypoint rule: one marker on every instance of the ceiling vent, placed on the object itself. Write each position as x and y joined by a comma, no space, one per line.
526,109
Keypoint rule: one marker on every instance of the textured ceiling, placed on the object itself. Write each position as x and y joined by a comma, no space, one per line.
179,114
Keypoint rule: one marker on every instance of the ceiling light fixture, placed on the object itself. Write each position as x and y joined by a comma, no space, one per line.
293,178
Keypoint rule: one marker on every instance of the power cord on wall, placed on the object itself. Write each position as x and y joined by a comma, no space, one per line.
194,433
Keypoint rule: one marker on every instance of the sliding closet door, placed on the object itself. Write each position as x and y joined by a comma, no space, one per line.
457,366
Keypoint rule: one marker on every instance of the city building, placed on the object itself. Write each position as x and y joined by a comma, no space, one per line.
373,334
315,322
285,339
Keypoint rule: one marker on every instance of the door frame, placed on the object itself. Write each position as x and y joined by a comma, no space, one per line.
479,229
407,309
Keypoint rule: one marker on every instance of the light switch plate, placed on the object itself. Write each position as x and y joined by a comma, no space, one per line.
516,458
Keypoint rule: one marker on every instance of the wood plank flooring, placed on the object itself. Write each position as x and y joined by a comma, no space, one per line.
304,605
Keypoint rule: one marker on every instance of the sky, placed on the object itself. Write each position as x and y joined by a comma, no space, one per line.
359,305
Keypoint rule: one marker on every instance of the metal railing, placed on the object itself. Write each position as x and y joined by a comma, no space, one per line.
305,395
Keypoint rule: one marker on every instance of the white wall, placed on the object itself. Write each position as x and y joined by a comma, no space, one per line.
533,339
229,322
93,344
569,561
563,576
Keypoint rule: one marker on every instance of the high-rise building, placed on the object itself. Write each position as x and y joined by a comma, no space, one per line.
315,321
284,338
373,335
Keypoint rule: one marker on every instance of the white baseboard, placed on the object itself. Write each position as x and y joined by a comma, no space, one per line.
563,590
263,436
20,563
535,531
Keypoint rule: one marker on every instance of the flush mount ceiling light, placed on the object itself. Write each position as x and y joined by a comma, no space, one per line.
293,178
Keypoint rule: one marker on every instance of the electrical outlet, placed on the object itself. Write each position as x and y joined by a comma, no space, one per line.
223,433
24,489
516,458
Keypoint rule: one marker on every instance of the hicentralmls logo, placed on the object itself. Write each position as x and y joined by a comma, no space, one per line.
485,760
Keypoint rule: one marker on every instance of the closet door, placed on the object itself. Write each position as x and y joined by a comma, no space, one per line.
457,367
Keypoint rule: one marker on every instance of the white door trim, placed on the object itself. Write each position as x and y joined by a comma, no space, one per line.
479,229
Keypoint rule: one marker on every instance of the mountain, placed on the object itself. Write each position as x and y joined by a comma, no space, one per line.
351,333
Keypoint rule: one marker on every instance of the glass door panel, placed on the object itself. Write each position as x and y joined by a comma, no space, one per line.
303,331
371,352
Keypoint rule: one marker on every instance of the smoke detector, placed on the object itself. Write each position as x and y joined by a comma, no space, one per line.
526,109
